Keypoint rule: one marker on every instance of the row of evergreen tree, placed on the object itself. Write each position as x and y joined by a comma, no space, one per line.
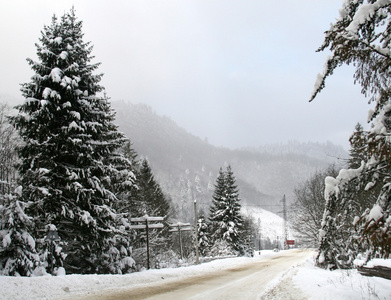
78,180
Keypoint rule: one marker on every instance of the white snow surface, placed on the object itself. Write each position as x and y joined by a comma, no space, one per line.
272,225
56,74
345,175
376,213
321,76
315,283
321,284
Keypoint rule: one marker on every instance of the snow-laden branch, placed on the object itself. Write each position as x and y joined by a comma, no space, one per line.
333,185
364,14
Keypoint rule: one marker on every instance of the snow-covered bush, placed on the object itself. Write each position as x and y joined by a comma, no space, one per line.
222,248
18,254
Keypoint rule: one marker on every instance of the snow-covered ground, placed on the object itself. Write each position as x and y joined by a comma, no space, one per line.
271,224
340,284
313,282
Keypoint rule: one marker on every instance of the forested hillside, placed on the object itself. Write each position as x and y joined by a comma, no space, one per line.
187,166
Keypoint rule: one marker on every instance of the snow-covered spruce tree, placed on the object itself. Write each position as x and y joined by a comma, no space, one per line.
248,236
361,36
122,183
225,217
120,180
52,253
123,176
149,197
69,154
150,200
358,143
203,235
347,196
216,207
363,198
334,235
18,255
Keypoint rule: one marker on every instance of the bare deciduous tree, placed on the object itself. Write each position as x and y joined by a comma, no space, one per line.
9,140
309,206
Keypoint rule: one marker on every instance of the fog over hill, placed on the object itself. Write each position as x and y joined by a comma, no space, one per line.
187,166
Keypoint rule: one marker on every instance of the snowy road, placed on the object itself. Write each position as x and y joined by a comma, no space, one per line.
245,281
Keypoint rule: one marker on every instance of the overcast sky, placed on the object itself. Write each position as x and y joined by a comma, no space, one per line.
237,72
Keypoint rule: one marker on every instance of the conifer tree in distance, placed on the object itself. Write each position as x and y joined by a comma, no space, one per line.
225,217
217,204
358,142
69,154
150,197
203,235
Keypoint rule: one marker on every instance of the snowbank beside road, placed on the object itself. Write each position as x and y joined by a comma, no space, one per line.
313,282
340,284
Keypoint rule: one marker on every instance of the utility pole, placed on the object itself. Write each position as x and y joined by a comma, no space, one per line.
260,235
196,231
285,223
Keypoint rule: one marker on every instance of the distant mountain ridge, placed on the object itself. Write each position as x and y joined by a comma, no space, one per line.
323,151
186,166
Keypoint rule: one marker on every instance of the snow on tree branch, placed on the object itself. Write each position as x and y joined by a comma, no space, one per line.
364,14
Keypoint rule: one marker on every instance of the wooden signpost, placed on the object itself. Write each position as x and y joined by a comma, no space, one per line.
145,220
179,227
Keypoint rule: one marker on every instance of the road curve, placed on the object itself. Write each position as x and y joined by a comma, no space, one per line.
245,281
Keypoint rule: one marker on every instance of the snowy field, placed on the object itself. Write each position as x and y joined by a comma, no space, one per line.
313,282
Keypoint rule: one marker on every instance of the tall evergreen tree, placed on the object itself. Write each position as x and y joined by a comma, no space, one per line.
123,184
217,199
358,143
203,235
247,236
225,217
150,198
69,154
